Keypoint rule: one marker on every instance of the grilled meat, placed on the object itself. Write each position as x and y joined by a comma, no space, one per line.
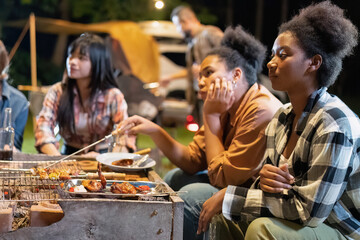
92,185
124,187
101,176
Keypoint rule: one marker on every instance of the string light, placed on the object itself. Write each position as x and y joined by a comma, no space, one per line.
159,4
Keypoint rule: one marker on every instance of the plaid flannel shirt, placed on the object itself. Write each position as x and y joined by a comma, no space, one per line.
325,164
107,109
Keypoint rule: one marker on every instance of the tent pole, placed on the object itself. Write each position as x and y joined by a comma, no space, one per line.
33,57
18,41
33,50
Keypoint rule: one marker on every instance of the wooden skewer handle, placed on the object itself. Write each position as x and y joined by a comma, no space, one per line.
107,175
143,151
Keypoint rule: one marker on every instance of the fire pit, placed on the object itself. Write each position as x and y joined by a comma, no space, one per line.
150,217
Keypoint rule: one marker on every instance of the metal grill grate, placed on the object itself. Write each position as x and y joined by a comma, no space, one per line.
19,184
12,167
23,187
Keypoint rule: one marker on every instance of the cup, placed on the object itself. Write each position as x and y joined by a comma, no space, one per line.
6,144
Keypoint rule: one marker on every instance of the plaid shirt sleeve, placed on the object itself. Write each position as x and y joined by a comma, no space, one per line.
119,113
118,105
46,120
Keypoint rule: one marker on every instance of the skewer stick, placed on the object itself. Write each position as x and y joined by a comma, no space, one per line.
121,130
68,156
143,151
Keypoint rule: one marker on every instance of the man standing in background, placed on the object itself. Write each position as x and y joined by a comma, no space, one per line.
201,39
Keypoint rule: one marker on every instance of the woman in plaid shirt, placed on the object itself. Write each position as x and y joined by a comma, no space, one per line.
86,105
309,187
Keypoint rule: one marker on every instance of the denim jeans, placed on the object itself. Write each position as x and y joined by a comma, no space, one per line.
197,189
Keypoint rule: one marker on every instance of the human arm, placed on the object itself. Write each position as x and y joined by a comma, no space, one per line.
49,149
175,151
219,99
210,207
164,81
45,141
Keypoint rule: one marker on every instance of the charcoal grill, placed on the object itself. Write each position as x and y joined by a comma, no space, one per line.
93,218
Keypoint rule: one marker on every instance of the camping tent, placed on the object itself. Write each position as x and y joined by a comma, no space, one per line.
135,54
140,49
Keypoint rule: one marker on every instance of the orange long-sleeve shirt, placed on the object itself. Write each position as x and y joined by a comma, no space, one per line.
243,141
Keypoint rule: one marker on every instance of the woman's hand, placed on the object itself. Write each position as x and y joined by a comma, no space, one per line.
136,124
220,97
210,208
91,154
275,179
50,149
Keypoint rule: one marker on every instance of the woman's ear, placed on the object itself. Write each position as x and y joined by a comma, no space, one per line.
315,63
236,74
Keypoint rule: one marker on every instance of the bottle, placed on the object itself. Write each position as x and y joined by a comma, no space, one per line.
7,137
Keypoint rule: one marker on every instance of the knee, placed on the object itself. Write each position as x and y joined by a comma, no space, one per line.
260,228
173,177
196,193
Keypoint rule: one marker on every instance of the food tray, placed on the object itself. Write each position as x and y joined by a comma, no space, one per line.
157,189
108,158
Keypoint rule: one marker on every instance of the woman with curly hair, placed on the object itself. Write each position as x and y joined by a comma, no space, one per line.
309,186
231,144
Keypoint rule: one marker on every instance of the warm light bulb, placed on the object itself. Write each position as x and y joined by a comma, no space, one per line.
192,127
159,4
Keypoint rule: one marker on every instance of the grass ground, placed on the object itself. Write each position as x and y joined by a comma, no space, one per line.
29,139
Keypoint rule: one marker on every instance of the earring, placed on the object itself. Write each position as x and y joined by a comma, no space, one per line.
234,83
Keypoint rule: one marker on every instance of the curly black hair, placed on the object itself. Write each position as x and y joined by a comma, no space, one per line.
323,29
240,49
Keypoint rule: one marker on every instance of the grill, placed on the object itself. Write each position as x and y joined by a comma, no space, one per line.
20,189
83,218
26,188
18,184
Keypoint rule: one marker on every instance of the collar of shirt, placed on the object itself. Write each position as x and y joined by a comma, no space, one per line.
5,89
312,101
248,95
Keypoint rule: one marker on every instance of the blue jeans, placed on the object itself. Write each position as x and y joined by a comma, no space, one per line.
198,190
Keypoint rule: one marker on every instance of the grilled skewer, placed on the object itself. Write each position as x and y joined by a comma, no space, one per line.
115,132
